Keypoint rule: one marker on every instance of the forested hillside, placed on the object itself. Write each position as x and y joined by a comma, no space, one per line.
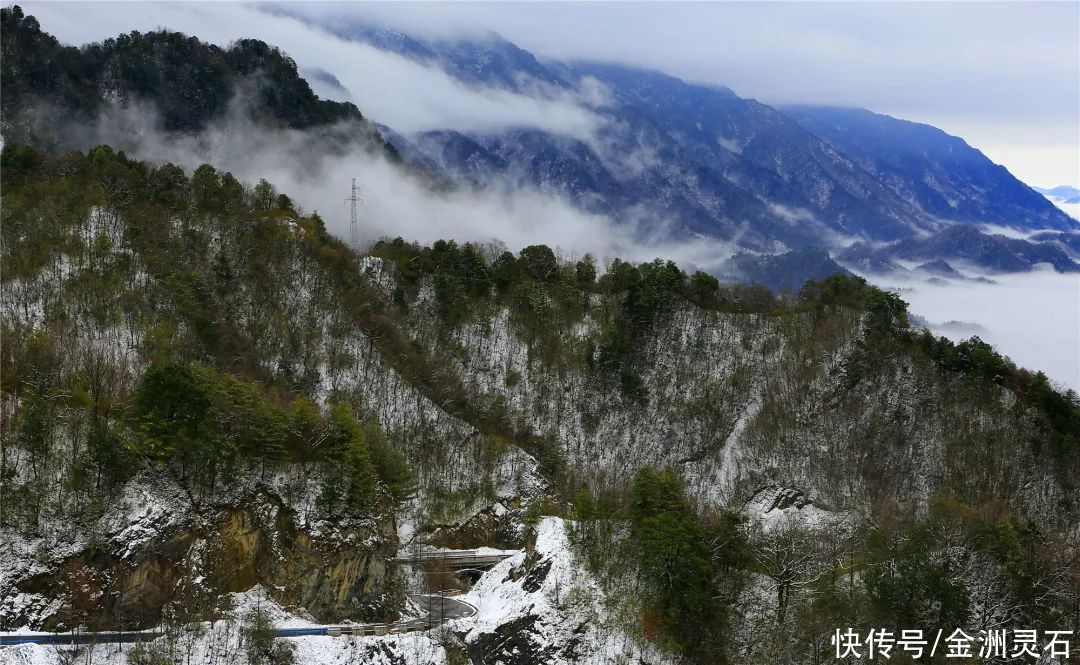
203,391
54,95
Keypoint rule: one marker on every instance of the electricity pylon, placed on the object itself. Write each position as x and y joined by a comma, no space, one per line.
354,222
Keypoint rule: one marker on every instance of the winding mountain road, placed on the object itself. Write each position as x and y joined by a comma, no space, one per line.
440,609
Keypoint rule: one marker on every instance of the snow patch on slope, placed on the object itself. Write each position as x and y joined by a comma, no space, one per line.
547,607
776,508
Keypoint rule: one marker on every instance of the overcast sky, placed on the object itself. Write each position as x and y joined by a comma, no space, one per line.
1004,76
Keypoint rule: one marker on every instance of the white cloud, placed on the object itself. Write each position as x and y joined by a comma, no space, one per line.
1004,76
1034,318
921,67
391,89
308,167
396,91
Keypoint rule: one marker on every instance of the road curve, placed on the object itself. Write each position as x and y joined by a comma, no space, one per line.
440,609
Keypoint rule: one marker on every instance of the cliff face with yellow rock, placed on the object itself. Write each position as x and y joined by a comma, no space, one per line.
183,559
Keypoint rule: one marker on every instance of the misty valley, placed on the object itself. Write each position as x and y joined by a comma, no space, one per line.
352,334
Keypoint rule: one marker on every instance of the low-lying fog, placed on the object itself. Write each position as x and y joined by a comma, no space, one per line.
1034,318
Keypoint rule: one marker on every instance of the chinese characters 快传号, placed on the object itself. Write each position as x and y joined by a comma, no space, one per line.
1008,644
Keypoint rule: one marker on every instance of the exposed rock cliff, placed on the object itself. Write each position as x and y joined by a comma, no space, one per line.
184,553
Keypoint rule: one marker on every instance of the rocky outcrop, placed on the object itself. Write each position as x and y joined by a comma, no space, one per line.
498,525
518,641
334,570
544,606
338,574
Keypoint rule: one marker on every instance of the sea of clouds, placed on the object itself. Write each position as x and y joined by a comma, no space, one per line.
1034,318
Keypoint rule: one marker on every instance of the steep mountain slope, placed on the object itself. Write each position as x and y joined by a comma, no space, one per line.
762,151
504,381
940,174
669,159
206,398
647,151
480,61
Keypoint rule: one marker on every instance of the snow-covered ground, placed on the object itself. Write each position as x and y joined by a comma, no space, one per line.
554,608
545,603
222,646
221,642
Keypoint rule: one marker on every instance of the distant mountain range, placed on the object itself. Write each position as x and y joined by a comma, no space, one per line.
766,179
783,272
1066,193
965,244
693,160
